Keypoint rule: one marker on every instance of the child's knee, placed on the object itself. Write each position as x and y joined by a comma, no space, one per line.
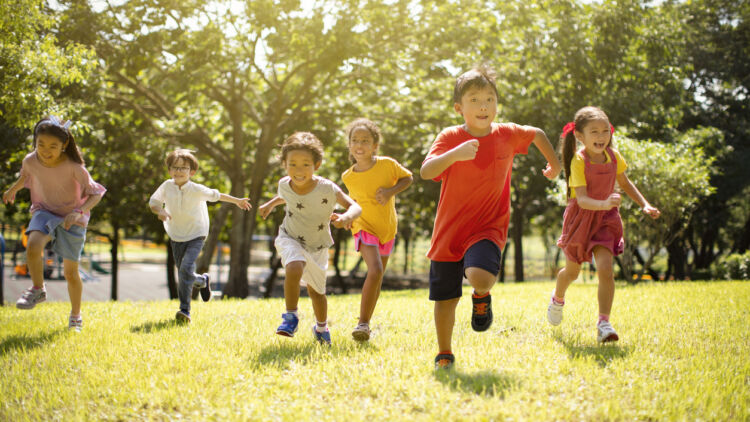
295,268
479,277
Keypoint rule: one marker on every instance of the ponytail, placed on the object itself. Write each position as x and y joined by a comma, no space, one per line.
568,150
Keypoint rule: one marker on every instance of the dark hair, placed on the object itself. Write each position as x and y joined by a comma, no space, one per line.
568,144
51,125
185,154
368,125
304,141
479,76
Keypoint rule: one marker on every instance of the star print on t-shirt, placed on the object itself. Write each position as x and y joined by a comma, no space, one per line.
290,214
300,206
301,239
321,227
325,201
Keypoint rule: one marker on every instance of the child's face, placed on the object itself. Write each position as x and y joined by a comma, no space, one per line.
181,172
362,145
300,166
49,149
595,136
478,107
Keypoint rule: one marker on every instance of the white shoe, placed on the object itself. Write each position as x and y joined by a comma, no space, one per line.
361,332
75,323
31,297
605,332
554,312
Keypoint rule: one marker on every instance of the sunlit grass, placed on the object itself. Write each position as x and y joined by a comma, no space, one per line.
683,355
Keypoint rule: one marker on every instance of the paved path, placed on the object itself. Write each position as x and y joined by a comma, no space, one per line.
137,281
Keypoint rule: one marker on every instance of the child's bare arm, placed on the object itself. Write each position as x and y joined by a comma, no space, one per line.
353,210
382,195
635,195
545,147
243,203
435,166
9,196
588,203
74,216
266,208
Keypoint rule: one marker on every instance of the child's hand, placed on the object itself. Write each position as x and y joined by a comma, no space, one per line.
613,201
342,221
244,204
9,196
550,173
265,209
71,219
466,151
651,211
382,195
163,215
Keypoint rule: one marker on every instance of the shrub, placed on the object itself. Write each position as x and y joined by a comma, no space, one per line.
735,266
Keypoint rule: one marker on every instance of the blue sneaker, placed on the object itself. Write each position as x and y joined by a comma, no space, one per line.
289,326
322,338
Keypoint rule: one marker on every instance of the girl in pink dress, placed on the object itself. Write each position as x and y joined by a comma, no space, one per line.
592,224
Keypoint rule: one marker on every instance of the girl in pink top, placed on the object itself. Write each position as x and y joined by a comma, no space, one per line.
62,195
592,224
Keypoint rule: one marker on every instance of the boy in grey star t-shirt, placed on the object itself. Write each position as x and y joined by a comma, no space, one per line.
305,235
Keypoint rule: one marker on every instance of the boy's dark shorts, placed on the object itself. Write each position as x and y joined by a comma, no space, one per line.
446,278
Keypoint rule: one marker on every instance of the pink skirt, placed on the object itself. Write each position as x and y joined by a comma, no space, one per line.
585,229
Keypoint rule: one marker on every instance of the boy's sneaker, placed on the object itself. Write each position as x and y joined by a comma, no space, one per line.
481,313
444,361
75,323
361,332
183,317
206,291
31,297
554,312
289,325
322,338
605,332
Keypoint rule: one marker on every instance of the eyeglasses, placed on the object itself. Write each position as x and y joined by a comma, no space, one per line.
179,169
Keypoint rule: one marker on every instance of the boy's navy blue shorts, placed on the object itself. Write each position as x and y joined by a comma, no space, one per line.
446,278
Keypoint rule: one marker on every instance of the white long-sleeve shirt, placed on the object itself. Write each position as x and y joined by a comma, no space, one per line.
187,206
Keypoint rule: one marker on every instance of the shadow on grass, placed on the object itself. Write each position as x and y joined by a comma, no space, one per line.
282,353
485,383
152,326
603,354
12,343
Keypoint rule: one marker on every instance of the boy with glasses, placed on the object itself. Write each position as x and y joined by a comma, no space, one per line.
181,205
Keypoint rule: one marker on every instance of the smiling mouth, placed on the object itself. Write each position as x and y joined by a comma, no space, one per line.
599,144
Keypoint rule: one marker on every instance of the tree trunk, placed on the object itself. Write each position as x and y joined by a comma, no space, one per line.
336,254
115,242
517,232
217,224
171,279
502,264
275,266
406,242
743,243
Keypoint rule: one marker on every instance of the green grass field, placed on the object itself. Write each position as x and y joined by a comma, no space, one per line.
684,354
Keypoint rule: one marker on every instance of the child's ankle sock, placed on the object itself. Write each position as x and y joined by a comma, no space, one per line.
602,317
37,288
321,327
476,295
558,301
446,352
293,311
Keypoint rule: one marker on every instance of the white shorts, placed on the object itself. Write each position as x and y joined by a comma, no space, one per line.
316,263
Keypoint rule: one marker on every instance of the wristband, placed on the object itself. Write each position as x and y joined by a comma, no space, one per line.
78,210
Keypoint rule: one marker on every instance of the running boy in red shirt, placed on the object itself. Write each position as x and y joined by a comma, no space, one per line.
474,163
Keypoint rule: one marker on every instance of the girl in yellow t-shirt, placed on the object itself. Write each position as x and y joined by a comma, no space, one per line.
373,182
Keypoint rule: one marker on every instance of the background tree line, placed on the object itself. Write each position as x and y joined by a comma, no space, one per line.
232,79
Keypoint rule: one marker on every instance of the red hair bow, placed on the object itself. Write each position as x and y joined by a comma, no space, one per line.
571,126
